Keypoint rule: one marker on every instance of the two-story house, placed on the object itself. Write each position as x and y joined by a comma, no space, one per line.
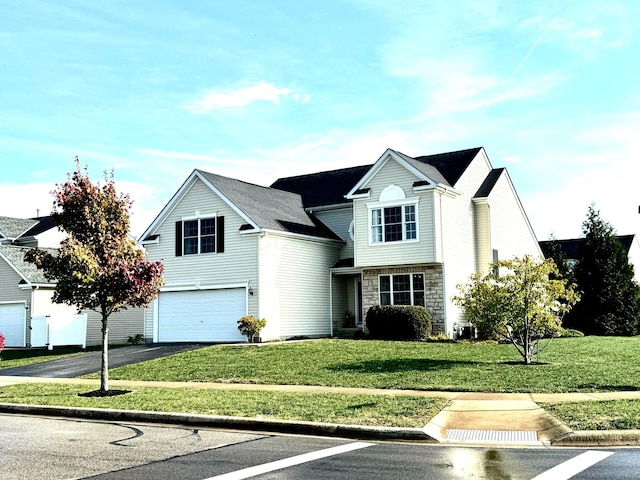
313,253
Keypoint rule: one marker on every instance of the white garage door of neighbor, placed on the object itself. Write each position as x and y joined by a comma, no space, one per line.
201,315
12,324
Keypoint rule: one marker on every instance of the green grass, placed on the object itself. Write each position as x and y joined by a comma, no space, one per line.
605,415
20,358
379,410
569,365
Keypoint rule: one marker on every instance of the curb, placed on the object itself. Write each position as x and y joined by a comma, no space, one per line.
358,432
602,438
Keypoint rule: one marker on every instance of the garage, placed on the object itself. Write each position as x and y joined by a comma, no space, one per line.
13,317
201,315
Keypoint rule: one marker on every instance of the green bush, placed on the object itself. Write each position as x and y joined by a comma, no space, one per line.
398,322
250,326
570,332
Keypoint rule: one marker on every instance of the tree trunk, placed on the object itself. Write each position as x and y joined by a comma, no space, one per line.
104,372
527,350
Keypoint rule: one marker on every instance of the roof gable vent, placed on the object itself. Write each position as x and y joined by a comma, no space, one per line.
392,192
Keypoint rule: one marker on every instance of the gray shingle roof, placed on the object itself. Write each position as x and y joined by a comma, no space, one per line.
330,187
15,255
570,246
429,170
323,188
269,208
15,227
489,182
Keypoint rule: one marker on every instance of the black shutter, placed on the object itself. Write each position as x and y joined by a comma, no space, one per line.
219,234
178,239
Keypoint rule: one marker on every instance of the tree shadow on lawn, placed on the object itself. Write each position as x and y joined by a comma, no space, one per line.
521,363
399,365
607,388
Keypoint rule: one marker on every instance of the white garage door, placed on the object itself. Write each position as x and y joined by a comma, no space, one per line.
12,324
201,315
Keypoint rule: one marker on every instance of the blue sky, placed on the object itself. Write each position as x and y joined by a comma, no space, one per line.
265,89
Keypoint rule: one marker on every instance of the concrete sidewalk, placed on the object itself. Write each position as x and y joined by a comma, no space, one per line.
513,419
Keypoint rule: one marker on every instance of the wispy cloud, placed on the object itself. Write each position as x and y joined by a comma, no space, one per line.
533,47
244,96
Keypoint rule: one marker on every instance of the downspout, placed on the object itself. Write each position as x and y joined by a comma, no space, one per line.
331,303
443,263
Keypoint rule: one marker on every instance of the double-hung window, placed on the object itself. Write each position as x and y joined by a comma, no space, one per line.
394,224
403,289
199,236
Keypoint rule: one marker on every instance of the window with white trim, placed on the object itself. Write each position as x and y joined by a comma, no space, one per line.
199,236
394,224
402,289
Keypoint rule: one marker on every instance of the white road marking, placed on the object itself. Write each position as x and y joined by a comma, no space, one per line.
289,462
574,466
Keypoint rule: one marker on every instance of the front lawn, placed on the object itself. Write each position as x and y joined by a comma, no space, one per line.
377,410
570,365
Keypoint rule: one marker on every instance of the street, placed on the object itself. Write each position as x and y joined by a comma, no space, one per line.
45,448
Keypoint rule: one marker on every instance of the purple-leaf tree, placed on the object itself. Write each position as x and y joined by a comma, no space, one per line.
98,266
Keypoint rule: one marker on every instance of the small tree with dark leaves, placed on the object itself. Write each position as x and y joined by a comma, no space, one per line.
98,266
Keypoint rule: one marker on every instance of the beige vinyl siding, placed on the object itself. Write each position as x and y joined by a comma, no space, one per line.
294,293
511,233
459,249
9,290
122,324
341,300
339,220
634,257
395,253
483,236
236,265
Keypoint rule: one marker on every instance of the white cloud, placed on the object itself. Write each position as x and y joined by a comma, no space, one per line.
601,170
244,96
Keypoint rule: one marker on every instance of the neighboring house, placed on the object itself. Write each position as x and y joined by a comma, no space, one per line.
30,232
313,253
26,294
570,249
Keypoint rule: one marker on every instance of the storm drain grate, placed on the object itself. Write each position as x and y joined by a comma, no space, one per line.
501,436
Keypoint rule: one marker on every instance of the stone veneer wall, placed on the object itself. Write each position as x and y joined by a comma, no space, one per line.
433,285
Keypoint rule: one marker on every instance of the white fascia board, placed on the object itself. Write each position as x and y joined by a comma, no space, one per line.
182,192
253,231
169,206
14,268
150,242
189,287
507,177
389,154
36,286
323,208
299,236
364,180
439,188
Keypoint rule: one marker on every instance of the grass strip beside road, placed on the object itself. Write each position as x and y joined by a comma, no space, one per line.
372,410
586,364
594,415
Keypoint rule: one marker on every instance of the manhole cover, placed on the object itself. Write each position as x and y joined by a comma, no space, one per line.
501,436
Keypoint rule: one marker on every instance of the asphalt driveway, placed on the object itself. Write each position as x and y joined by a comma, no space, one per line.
90,362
